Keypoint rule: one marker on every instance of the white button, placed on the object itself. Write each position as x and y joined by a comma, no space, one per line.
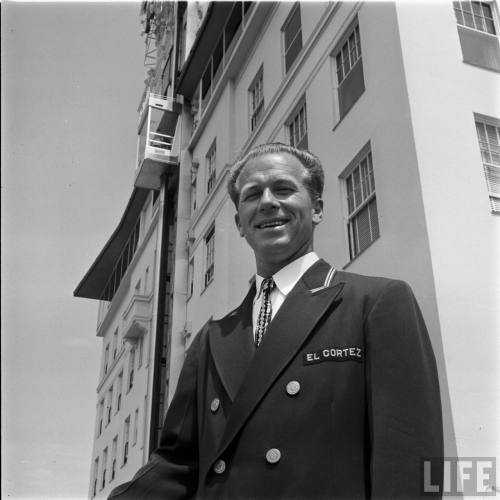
219,466
292,388
214,405
273,455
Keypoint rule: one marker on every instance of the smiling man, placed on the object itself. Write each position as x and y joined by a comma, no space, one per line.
321,384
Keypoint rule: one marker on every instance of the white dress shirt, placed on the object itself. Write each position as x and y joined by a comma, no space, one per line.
285,279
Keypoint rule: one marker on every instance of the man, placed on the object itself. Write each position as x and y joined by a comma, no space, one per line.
321,384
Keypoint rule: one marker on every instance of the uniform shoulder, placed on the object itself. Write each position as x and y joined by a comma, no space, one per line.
366,284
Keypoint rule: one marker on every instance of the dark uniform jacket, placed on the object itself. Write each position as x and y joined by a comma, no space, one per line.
341,399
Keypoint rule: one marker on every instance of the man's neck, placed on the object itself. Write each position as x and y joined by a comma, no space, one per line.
269,270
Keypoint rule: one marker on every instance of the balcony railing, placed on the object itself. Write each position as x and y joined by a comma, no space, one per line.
158,144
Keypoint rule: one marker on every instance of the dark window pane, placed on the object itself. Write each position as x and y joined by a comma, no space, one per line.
233,23
292,28
490,26
217,55
476,8
374,219
293,52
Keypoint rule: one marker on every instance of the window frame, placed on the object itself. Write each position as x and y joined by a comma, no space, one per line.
209,273
256,109
211,167
126,438
490,168
368,196
288,21
190,277
100,418
131,369
114,451
104,467
96,477
119,392
458,8
346,88
135,431
294,123
352,47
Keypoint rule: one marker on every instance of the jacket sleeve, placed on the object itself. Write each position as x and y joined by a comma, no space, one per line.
172,471
404,406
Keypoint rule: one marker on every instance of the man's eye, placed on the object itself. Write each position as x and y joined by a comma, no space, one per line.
250,196
283,190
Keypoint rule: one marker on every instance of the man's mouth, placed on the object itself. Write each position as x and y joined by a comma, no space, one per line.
271,223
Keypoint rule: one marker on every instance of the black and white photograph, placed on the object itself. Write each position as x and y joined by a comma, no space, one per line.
250,250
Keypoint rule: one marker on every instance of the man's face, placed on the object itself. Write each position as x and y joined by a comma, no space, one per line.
275,212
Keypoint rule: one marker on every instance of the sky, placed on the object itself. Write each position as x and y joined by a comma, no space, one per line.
72,78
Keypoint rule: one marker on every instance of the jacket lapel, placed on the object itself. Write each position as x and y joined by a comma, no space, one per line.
232,346
284,337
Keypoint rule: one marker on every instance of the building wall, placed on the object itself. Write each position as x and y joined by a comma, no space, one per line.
138,282
436,229
464,236
407,104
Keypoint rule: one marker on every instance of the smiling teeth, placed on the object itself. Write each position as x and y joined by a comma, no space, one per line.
271,224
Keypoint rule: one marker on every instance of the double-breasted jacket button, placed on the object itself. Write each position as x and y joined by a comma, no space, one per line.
214,405
219,466
273,455
292,388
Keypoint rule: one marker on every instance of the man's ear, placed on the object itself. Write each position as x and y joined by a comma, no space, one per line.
238,225
317,215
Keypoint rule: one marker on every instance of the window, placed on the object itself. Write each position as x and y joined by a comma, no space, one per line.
194,180
256,95
211,170
209,249
104,464
100,417
349,69
96,472
131,364
136,426
218,59
476,15
114,449
488,133
190,278
477,33
126,432
166,75
297,128
122,263
115,344
156,197
362,224
292,36
146,281
106,359
109,405
141,350
119,388
232,25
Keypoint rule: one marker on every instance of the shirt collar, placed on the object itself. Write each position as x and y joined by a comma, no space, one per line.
286,278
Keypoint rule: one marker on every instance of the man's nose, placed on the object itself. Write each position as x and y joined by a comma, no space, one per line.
268,200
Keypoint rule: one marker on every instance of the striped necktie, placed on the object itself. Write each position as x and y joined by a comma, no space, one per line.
265,310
